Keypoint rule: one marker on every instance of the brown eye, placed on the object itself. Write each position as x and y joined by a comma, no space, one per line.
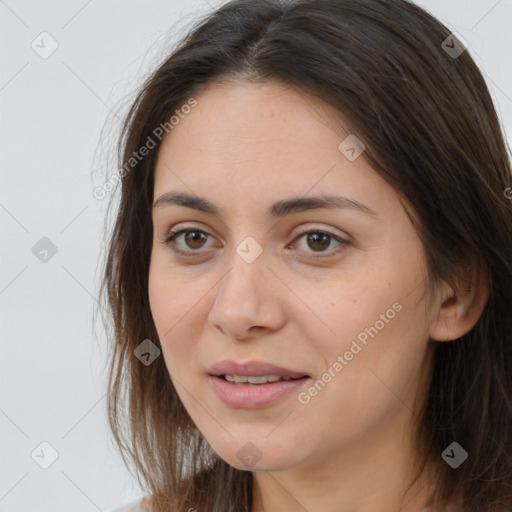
319,241
193,238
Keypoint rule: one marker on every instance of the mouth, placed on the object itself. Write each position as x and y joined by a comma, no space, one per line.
249,381
254,373
254,385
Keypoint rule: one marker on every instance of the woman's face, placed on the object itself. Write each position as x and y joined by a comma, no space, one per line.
344,306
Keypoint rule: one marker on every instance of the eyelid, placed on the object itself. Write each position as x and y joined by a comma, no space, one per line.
308,229
175,232
342,240
301,230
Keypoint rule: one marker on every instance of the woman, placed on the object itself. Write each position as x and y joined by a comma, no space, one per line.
310,272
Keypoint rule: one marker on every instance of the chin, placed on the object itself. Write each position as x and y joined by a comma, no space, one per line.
261,465
258,455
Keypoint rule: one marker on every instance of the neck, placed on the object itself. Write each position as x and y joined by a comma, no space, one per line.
372,475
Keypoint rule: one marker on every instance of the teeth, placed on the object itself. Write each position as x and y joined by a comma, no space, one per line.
254,380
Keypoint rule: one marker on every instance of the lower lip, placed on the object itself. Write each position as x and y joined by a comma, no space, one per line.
254,397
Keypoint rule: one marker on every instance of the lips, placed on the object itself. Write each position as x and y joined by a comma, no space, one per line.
253,369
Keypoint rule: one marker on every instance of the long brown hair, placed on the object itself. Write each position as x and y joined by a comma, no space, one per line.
431,131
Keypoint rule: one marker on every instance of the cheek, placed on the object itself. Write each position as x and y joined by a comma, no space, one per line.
374,319
171,294
179,306
382,356
341,307
160,301
169,307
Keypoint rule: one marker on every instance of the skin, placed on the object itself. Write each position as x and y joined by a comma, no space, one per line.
244,147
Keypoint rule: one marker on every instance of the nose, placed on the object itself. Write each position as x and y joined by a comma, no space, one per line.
249,299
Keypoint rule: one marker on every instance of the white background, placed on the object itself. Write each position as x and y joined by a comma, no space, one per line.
52,372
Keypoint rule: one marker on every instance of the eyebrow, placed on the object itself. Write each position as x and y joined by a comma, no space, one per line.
277,210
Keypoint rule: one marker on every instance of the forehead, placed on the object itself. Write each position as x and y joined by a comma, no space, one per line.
261,142
269,127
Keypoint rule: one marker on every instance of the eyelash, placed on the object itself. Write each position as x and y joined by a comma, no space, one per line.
170,241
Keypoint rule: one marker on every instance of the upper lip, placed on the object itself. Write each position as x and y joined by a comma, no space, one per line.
253,369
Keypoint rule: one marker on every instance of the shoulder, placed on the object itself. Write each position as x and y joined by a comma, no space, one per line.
134,506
